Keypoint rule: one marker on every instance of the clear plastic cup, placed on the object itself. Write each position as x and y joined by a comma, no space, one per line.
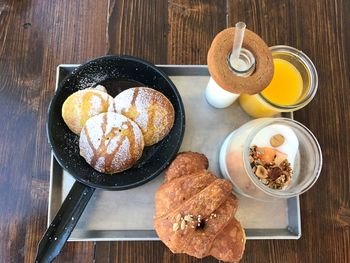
235,165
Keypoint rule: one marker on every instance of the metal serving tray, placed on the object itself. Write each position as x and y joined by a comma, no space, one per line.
128,215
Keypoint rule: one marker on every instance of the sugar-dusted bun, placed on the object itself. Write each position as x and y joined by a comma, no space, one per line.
150,109
111,143
82,105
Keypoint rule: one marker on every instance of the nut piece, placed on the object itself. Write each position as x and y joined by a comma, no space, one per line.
188,218
264,181
261,172
176,227
275,173
277,140
212,216
178,218
183,224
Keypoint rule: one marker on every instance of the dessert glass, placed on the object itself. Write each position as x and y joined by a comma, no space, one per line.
259,106
235,165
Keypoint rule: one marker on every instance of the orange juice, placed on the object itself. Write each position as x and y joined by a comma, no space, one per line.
286,85
285,89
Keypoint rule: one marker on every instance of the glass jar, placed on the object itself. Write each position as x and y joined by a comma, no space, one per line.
259,105
235,165
244,67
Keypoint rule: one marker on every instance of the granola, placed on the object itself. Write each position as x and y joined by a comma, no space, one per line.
270,166
193,221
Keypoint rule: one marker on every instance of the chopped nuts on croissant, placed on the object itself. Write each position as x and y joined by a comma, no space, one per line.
195,221
188,218
175,227
192,193
183,224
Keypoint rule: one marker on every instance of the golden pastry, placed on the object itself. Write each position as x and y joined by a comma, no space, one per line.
82,105
195,212
150,109
111,143
186,163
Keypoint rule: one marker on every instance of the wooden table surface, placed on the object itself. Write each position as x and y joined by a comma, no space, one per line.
37,35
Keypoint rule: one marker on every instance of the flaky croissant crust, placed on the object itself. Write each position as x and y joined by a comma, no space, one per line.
195,211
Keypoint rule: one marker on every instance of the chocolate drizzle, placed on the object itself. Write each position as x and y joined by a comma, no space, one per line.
126,132
99,149
134,96
133,144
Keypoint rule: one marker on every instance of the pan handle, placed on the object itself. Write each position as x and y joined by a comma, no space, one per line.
64,222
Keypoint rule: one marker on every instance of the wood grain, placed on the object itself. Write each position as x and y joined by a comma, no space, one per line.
36,36
138,28
192,26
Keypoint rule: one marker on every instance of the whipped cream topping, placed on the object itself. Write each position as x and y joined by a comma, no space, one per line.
290,145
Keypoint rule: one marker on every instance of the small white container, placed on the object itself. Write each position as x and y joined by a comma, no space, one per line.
244,67
217,96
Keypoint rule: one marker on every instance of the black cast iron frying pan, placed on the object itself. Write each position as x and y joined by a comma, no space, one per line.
116,73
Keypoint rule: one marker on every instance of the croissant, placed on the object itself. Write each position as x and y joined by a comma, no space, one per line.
195,211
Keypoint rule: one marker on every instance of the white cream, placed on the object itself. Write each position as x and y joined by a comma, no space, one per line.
290,145
217,96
